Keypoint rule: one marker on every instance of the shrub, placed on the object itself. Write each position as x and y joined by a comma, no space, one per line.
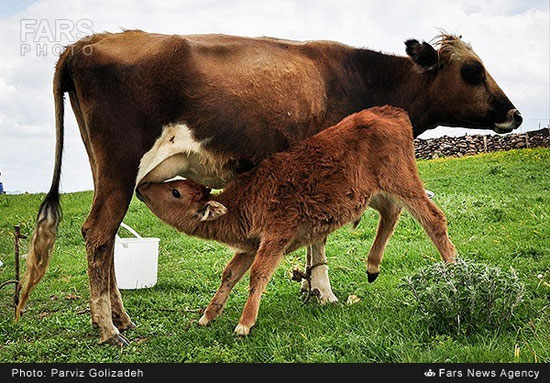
465,296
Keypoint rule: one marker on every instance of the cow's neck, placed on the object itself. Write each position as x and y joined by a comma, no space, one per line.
394,80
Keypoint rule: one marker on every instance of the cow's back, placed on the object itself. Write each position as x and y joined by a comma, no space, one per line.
240,97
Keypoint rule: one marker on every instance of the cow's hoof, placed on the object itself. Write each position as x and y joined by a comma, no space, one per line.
204,320
372,277
117,340
123,327
242,330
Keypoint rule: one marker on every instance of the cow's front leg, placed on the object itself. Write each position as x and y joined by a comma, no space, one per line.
320,282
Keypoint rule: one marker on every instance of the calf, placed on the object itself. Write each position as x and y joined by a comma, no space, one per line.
296,198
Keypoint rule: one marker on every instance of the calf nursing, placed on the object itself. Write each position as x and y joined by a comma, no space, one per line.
296,198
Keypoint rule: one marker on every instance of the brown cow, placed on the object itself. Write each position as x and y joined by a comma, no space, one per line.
296,198
236,100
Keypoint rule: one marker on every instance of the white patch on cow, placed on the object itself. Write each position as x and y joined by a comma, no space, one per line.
100,306
505,127
177,153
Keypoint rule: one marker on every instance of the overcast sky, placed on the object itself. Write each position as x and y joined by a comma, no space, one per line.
511,37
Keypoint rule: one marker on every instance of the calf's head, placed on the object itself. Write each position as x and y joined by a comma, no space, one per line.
461,92
180,203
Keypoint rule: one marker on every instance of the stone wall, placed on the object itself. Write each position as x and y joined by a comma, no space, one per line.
467,145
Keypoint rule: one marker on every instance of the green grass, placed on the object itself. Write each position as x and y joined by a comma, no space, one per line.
498,208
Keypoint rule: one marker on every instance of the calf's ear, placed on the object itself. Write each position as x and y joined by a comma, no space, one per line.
205,192
211,210
423,54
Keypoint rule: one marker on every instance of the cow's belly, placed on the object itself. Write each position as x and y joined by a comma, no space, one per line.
177,153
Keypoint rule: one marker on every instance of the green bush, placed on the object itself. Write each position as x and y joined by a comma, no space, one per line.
464,297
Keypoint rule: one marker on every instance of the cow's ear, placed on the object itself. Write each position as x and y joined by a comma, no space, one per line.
211,210
423,54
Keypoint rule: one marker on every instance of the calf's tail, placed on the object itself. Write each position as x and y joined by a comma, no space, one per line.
49,213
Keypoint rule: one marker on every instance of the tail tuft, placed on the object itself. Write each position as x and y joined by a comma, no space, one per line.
41,248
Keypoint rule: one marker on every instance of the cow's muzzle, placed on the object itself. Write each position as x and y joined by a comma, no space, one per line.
513,121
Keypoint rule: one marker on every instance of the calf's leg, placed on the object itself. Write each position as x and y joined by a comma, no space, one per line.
434,223
389,216
432,219
233,272
305,286
399,178
320,281
267,259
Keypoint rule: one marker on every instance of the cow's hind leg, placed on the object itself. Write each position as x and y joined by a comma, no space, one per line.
389,216
121,319
110,203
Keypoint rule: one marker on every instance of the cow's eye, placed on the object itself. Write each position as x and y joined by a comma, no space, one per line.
473,72
176,193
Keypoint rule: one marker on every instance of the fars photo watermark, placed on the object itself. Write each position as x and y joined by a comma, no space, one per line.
44,37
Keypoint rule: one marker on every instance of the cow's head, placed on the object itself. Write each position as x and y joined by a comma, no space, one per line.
461,92
181,204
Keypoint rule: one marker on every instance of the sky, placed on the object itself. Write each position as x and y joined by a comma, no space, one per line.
511,37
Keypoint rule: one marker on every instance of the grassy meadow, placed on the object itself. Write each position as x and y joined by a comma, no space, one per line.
498,209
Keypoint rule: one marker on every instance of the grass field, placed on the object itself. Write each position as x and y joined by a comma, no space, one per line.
498,208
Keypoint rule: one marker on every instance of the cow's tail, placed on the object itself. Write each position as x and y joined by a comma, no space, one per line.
49,214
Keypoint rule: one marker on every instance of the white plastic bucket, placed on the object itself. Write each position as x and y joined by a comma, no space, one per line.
136,261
